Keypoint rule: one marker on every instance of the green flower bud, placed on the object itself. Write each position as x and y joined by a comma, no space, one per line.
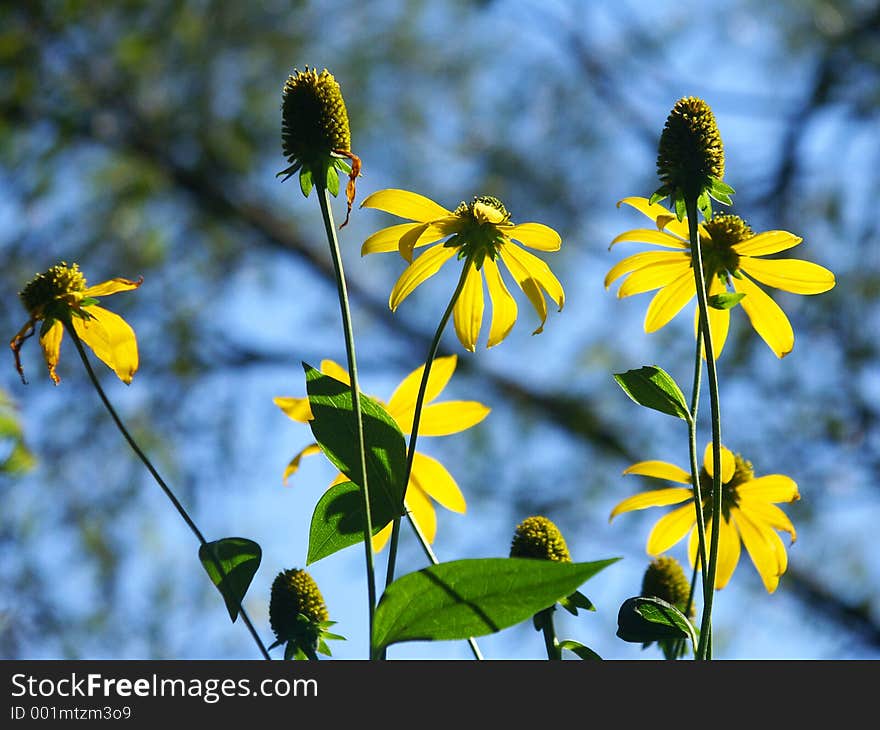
665,579
538,537
295,593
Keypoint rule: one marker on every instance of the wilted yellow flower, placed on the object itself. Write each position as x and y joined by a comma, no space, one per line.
748,511
479,233
731,258
429,478
60,296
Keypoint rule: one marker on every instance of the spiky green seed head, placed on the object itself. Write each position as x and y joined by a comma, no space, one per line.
538,537
50,286
665,579
314,120
295,592
690,150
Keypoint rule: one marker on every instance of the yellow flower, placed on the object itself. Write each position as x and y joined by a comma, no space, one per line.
479,232
732,256
749,515
60,296
429,478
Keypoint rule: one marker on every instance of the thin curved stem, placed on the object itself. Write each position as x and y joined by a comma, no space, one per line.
327,215
704,650
551,643
694,460
155,474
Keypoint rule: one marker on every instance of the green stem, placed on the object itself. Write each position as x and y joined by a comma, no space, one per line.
155,474
411,449
545,620
694,459
704,649
327,215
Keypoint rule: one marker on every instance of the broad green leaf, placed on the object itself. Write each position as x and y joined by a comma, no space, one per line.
473,597
653,387
338,520
727,300
333,426
576,647
645,619
231,564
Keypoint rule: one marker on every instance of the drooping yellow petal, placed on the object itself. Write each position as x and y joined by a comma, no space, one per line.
467,315
652,498
442,419
432,477
766,513
50,343
419,504
403,399
537,269
648,235
669,301
729,550
112,340
719,320
112,286
424,267
405,204
771,488
387,239
660,470
663,218
793,275
537,236
293,466
420,235
728,463
654,276
296,408
766,243
638,261
504,309
761,549
335,371
670,529
530,287
381,538
766,317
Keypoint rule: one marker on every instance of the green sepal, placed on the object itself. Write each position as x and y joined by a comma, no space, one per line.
680,205
46,326
576,647
727,300
647,618
332,180
653,387
340,164
659,194
575,601
305,181
704,204
231,564
290,171
88,301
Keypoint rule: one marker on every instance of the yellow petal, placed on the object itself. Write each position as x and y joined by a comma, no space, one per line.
652,498
381,537
420,235
637,261
669,301
766,243
648,235
296,408
403,399
504,309
442,419
386,239
654,276
793,275
660,470
424,267
467,315
112,287
334,370
111,339
484,213
537,269
537,236
761,549
530,287
719,320
766,317
405,204
431,477
662,218
728,552
293,466
771,488
728,463
50,343
670,529
418,503
766,513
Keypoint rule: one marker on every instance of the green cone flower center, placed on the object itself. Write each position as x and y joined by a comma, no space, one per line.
743,472
665,579
47,288
724,232
314,120
478,233
295,592
690,150
538,537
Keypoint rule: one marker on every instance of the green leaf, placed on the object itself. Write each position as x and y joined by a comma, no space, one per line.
473,597
575,601
582,651
305,181
645,619
333,426
231,564
653,387
338,520
727,300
